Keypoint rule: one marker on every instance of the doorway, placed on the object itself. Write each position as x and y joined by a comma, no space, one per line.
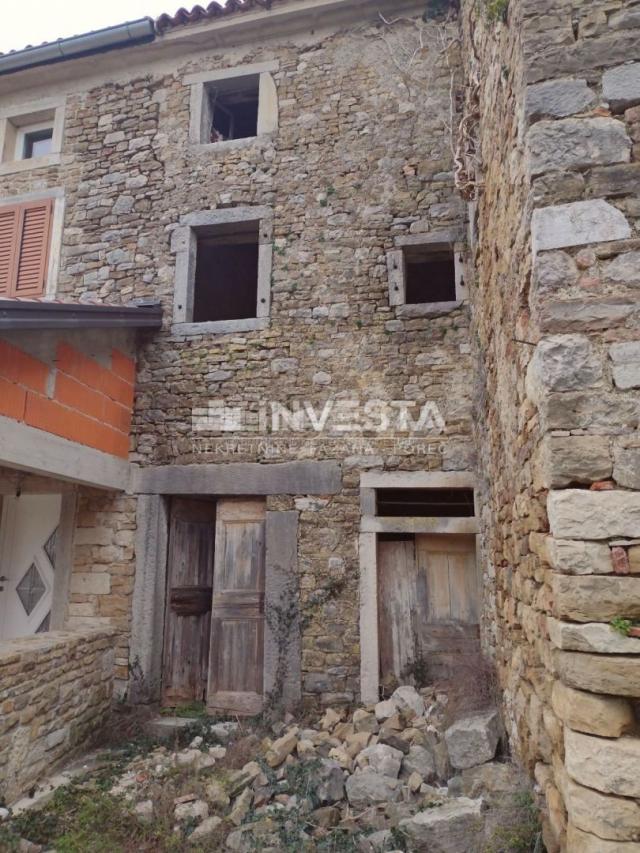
214,615
428,614
28,530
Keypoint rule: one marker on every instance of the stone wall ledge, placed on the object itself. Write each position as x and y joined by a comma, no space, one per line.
25,648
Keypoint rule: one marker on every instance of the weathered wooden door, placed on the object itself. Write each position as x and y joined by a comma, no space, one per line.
237,618
188,608
428,604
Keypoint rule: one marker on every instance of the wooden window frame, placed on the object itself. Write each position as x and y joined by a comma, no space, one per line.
20,211
436,242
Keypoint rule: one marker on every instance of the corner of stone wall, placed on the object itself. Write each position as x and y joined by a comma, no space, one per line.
557,318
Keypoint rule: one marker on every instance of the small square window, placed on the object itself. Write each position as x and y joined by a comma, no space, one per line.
426,274
31,138
234,109
37,143
233,104
226,282
429,276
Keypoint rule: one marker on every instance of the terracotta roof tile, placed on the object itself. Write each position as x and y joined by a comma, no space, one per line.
213,10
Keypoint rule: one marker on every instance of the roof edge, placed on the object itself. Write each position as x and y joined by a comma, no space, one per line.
109,38
19,314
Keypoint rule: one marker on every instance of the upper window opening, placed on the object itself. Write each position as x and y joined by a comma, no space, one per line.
433,503
429,276
37,143
233,104
234,109
226,280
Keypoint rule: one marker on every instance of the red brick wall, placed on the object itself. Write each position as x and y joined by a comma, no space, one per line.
75,397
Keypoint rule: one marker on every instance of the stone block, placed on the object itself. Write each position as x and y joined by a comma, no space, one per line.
607,817
558,98
623,269
611,674
473,740
626,365
554,271
368,788
575,557
584,315
574,459
581,514
595,598
576,143
383,759
595,637
419,760
448,828
610,766
626,469
619,180
608,413
584,842
90,583
591,713
621,85
563,363
577,223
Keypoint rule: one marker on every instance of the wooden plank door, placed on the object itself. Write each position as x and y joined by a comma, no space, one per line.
428,604
188,608
237,617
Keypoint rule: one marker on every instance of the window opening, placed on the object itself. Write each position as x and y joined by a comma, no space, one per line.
434,503
226,280
234,111
38,143
429,276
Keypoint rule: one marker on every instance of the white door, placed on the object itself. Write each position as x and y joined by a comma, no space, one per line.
28,530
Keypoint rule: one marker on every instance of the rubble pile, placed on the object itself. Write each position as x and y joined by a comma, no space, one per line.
393,776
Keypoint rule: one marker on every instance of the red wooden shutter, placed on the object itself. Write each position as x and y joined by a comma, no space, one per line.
33,231
24,248
8,246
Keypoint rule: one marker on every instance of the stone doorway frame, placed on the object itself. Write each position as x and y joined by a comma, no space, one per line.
154,487
371,525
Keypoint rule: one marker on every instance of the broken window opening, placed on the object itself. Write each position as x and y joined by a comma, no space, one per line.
234,112
429,276
226,280
421,503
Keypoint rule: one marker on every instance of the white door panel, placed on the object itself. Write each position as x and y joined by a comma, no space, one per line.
27,563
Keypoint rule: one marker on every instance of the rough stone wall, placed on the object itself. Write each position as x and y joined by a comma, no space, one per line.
55,693
362,154
556,318
101,583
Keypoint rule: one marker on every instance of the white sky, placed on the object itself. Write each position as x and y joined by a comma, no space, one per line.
35,21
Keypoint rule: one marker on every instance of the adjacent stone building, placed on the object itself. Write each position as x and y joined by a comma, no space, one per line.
390,411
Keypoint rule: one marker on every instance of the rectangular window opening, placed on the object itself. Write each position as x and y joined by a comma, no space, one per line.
226,279
429,276
37,143
431,503
234,109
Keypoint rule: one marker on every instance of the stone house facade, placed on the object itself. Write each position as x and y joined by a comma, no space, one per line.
407,426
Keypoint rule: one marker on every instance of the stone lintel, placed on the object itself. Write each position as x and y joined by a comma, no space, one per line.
241,478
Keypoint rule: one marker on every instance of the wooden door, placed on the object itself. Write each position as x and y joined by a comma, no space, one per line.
237,617
188,608
428,604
